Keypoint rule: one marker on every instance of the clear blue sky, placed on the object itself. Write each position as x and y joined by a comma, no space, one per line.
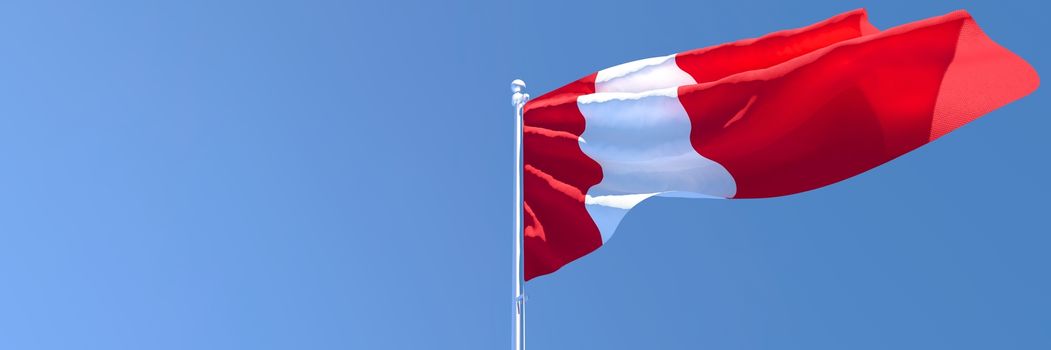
336,175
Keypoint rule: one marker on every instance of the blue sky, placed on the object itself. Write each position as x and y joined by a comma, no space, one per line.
337,175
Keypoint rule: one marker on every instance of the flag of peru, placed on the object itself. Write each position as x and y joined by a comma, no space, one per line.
781,114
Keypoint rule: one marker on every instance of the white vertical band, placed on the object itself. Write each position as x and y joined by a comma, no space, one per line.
642,142
642,75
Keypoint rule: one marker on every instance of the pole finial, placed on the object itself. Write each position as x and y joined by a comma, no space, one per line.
519,98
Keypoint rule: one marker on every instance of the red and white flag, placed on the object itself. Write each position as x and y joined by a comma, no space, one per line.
785,113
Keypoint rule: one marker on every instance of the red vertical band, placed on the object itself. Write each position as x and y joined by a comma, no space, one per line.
842,110
557,174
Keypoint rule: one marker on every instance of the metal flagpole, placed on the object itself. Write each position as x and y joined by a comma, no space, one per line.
518,100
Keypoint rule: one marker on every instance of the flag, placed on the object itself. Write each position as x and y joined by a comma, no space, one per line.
781,114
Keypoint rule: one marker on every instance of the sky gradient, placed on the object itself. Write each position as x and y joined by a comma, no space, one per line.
337,175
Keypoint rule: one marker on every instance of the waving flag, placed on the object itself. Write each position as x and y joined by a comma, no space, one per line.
785,113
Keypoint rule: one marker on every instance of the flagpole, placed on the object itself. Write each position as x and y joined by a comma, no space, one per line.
518,99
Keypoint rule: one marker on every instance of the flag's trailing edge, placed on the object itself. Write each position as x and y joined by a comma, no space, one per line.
781,114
